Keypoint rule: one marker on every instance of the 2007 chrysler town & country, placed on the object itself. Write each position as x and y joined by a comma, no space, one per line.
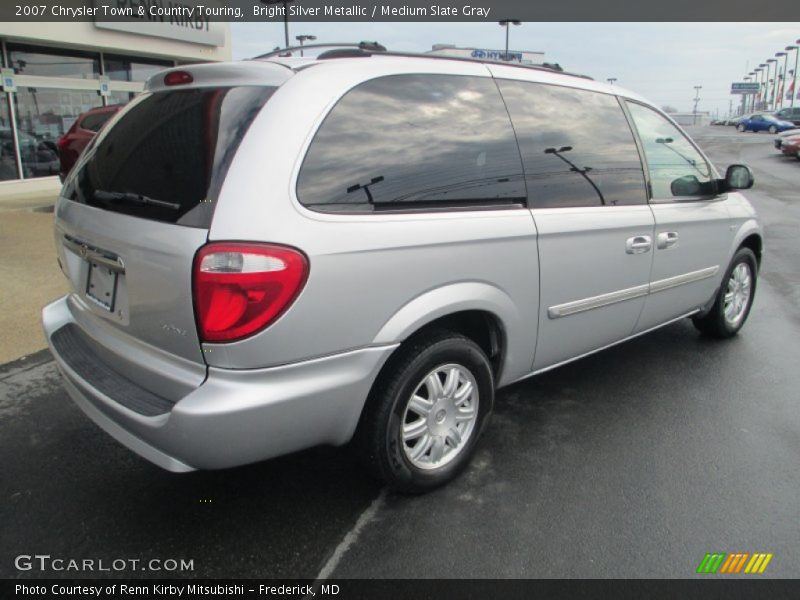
279,253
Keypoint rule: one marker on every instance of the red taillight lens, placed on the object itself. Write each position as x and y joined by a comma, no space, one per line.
178,78
62,142
239,289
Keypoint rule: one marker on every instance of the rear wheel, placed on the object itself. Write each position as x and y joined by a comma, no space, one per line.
423,419
734,299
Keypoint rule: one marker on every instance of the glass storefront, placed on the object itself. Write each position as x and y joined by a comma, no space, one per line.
124,68
8,159
52,62
45,112
43,116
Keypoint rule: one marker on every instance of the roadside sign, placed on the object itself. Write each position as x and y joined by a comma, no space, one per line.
7,76
745,87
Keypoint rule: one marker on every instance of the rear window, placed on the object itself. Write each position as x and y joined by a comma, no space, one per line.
166,157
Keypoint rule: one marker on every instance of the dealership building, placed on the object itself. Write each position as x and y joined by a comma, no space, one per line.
53,72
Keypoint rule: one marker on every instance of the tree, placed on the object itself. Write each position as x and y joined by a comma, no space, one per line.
669,109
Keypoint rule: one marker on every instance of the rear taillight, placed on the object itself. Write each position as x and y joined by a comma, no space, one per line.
178,78
62,142
239,289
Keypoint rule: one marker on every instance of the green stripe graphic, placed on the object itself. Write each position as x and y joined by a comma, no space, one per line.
710,563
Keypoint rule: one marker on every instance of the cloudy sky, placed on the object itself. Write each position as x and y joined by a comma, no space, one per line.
662,61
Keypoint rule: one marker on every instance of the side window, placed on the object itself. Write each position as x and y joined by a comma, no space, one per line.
676,168
413,141
577,147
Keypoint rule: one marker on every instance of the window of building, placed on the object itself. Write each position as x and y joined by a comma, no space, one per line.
676,167
44,115
414,141
119,97
8,158
126,68
577,147
53,62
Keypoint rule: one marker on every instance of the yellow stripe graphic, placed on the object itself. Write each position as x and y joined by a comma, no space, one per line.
750,565
765,563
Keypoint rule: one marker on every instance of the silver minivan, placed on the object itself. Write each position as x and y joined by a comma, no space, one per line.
279,253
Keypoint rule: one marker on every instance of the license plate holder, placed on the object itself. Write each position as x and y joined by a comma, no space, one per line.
101,285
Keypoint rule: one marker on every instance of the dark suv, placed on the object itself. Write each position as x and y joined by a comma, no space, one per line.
789,114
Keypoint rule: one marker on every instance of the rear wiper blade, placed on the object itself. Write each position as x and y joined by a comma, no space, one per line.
105,196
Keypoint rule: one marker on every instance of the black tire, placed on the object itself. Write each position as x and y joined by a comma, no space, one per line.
715,323
379,440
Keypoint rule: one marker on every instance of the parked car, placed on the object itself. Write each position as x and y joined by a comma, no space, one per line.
791,146
791,114
280,253
783,135
82,131
39,156
763,122
736,120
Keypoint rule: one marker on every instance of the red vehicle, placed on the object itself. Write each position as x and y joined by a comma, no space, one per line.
81,133
791,146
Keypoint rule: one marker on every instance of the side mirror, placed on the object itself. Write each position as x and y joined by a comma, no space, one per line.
738,177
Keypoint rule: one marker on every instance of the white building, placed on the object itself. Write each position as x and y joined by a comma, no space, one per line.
58,69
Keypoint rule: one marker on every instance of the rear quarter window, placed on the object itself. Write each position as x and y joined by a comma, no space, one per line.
411,142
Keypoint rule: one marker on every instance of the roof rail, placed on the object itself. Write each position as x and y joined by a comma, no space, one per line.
352,50
363,46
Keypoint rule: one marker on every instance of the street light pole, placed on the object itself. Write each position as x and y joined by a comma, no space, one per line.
763,93
303,38
697,89
783,76
611,80
794,73
285,16
507,24
773,81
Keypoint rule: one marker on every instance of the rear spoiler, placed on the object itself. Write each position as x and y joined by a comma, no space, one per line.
225,74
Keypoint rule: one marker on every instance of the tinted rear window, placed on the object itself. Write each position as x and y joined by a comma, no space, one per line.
173,147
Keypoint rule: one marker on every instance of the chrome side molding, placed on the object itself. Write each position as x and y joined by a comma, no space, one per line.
578,306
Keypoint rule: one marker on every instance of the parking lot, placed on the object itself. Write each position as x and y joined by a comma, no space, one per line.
634,462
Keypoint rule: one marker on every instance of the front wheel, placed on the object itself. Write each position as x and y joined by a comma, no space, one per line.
741,128
773,129
734,299
422,421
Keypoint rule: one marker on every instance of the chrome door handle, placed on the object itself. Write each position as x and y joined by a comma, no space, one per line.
666,239
638,244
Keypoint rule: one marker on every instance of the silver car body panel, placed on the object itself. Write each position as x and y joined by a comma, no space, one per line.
561,283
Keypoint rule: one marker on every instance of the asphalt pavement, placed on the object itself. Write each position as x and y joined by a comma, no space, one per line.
634,462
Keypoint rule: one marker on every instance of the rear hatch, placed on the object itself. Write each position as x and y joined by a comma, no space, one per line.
139,205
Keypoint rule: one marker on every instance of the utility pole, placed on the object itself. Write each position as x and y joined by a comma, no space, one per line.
697,89
611,80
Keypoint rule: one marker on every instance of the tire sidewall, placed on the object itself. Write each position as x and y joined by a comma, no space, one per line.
742,255
452,350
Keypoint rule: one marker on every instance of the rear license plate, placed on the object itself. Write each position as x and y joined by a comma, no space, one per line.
101,285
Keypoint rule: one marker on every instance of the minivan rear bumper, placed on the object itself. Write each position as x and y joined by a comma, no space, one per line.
234,417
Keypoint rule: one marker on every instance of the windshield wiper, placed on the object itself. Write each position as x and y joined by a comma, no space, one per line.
105,196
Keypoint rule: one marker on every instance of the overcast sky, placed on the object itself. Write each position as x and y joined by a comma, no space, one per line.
661,61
